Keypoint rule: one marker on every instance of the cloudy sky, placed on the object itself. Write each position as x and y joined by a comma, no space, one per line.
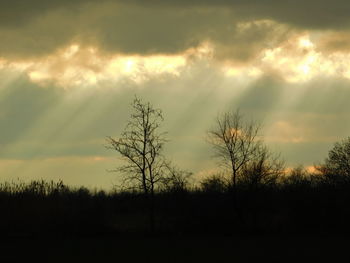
69,70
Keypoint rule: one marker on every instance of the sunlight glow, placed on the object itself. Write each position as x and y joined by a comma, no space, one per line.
245,72
71,51
296,60
78,66
301,61
129,66
36,76
304,42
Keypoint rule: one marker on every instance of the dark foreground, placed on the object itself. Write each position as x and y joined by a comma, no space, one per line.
296,222
179,249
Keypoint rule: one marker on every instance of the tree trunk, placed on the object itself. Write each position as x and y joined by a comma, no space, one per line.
152,212
234,191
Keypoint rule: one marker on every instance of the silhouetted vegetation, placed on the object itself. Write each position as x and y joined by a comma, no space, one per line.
336,167
299,203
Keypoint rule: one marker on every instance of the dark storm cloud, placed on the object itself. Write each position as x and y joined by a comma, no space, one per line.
311,13
39,27
318,14
114,27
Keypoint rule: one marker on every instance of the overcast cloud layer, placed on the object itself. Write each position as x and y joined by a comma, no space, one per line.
38,27
69,70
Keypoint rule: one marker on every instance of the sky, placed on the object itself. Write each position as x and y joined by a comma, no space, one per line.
69,70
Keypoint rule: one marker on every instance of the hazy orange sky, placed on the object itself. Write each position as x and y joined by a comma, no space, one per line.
70,69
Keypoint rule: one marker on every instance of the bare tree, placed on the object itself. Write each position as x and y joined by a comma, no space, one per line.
235,142
264,169
176,180
140,145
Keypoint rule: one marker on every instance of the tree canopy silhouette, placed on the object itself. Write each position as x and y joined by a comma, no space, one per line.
264,168
336,166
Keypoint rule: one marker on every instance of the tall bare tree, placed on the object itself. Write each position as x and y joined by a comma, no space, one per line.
235,142
140,145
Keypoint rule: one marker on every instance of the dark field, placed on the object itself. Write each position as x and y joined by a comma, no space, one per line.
178,249
49,222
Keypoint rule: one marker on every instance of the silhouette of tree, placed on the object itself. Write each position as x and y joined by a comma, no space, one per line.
263,169
140,146
216,183
235,143
176,180
336,167
297,177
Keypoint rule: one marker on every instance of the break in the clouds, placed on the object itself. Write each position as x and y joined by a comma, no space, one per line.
69,69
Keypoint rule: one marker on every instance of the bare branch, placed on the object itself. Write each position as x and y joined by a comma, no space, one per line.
141,145
234,141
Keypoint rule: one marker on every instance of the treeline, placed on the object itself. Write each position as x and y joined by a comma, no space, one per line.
301,204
